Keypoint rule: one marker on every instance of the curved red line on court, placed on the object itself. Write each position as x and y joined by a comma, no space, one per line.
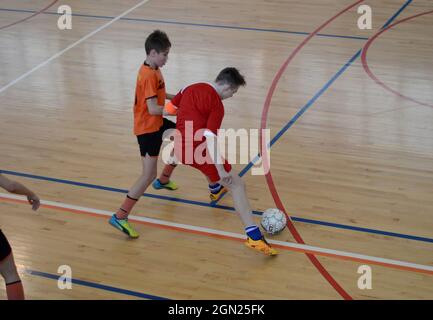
29,17
265,160
373,76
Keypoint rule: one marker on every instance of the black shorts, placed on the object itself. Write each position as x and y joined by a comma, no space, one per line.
150,143
5,248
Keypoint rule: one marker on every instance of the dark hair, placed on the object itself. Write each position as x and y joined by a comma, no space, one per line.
231,76
157,40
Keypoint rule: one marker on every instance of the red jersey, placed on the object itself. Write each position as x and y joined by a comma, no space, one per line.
201,104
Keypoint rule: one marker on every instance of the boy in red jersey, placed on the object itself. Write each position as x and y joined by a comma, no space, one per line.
8,269
200,105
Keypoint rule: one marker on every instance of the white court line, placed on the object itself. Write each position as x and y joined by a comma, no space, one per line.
58,54
396,264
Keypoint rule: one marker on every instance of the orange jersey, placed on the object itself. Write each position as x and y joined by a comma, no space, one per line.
150,84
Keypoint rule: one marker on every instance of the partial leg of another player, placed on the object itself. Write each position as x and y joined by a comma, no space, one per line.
8,270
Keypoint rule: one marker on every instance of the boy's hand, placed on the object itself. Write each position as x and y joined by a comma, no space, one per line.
34,201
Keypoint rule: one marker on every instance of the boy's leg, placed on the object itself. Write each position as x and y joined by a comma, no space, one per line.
147,176
8,270
14,287
240,200
164,182
164,178
120,219
255,239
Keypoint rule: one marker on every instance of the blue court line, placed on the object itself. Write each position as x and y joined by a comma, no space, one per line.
99,187
97,286
205,204
280,133
311,102
193,24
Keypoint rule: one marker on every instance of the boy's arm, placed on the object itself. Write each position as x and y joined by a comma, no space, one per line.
169,96
17,188
171,107
153,107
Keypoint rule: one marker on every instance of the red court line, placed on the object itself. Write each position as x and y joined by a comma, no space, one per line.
29,17
373,76
231,238
265,160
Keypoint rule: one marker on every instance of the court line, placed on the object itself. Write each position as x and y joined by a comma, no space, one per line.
373,76
203,231
268,175
269,179
199,25
205,204
96,285
35,13
58,54
292,228
324,223
295,118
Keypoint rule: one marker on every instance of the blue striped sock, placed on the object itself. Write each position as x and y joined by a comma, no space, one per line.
215,188
253,232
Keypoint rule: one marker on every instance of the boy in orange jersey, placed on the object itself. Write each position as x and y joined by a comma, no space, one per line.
8,269
149,127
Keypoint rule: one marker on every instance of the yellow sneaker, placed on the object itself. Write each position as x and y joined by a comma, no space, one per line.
261,245
217,196
124,226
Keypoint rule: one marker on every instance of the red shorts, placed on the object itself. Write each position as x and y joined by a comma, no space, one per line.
210,170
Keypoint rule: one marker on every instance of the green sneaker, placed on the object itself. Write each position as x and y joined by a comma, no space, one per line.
124,226
171,185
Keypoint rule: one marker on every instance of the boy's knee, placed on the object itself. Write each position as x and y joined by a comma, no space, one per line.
11,277
9,273
152,177
237,182
147,178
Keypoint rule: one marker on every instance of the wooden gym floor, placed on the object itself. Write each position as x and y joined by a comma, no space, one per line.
352,161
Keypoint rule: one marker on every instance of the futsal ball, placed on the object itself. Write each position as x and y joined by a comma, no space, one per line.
273,221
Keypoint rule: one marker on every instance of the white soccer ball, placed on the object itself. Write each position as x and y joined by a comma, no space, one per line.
273,221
